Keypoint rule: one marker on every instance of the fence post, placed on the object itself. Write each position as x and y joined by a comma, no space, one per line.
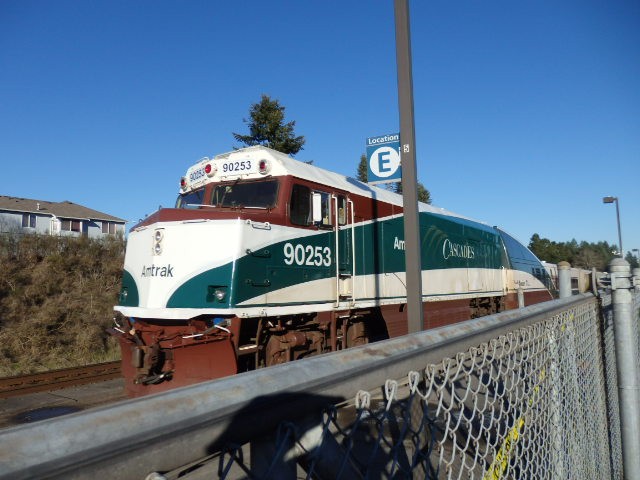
636,300
520,297
626,345
564,279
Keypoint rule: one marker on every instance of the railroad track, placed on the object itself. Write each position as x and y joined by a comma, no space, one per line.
56,379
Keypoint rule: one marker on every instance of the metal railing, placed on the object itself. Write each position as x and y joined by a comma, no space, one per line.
531,393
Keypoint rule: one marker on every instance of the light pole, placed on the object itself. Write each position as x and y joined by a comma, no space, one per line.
637,255
616,201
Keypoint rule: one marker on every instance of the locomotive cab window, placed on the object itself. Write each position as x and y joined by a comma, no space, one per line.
193,199
309,208
261,194
322,209
342,210
300,205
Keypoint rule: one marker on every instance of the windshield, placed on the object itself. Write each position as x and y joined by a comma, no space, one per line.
191,200
250,194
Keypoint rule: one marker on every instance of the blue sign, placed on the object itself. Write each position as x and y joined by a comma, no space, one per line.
383,159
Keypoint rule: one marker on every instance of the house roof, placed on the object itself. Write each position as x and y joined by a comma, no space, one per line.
65,209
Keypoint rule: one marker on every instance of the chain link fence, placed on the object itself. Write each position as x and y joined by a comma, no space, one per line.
531,393
540,402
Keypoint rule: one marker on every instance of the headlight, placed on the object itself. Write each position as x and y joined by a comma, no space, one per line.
217,293
158,236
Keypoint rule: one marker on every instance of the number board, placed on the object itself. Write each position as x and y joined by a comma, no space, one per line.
230,167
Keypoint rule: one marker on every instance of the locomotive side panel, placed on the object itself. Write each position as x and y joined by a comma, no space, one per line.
526,273
300,270
457,258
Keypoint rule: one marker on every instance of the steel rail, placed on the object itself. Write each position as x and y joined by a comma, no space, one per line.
159,433
55,379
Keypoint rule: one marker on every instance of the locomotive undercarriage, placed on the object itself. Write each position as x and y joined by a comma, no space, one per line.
155,352
160,355
483,306
283,339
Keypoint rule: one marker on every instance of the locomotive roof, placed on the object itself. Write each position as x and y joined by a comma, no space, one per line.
285,165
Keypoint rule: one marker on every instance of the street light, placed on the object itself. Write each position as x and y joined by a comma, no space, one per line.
616,201
637,255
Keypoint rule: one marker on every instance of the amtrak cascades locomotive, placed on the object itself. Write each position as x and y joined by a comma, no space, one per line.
265,259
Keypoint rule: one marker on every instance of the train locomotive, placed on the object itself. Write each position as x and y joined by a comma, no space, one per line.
266,259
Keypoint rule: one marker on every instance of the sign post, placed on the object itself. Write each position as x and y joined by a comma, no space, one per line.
415,317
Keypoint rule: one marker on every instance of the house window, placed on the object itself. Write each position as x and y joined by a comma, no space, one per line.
109,227
70,225
28,220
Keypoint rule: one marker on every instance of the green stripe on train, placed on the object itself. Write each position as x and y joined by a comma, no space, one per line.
379,248
129,291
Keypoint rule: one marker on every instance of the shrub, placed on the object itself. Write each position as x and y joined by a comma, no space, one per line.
56,300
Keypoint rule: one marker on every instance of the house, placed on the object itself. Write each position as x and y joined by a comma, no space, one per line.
24,215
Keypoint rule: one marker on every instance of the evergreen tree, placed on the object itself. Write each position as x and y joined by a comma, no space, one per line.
633,260
424,195
363,169
584,255
267,128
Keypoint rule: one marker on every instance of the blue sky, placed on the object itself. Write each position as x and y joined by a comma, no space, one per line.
527,112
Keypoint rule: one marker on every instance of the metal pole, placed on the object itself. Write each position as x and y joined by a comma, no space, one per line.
626,358
520,297
619,231
415,317
564,279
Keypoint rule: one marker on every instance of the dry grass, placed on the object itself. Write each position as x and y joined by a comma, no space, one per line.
56,300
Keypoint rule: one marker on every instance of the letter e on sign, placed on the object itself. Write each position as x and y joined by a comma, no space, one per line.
384,162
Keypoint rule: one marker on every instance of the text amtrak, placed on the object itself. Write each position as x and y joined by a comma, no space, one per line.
157,271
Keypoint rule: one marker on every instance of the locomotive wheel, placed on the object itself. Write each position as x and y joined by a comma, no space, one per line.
292,345
356,334
275,352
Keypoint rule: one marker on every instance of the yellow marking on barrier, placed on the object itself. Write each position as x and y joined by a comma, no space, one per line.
563,327
501,461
